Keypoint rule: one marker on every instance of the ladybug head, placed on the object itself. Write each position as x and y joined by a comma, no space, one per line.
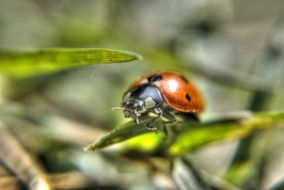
141,99
132,107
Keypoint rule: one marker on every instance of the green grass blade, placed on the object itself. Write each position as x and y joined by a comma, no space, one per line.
199,135
27,63
187,138
117,135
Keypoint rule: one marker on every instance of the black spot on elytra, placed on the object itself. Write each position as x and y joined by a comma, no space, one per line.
184,79
154,78
187,97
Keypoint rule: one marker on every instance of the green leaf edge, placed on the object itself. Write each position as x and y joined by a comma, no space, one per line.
231,131
26,63
195,136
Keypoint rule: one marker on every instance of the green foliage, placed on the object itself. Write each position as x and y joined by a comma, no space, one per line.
188,136
125,132
27,63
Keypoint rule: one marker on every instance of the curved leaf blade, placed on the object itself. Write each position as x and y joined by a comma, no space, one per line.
199,135
27,63
117,135
187,138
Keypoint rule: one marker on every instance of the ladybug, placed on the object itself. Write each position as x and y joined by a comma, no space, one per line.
164,94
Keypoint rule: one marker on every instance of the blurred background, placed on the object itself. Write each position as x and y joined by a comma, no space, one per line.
233,50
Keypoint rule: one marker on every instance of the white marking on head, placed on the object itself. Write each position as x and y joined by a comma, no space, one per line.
157,84
149,102
144,81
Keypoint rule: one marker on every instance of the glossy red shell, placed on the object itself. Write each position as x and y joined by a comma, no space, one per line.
177,91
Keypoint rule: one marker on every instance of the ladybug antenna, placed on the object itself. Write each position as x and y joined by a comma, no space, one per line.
117,108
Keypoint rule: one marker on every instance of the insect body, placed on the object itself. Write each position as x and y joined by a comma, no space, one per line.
164,94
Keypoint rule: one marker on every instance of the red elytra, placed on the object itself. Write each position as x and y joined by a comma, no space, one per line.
179,93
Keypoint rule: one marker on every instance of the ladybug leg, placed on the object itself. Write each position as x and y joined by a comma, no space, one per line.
169,116
149,124
168,127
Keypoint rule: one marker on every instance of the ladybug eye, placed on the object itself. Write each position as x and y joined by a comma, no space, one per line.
138,105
